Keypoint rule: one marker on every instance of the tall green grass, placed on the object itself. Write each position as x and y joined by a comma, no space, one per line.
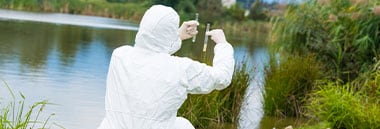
287,82
15,114
352,105
219,108
343,34
344,107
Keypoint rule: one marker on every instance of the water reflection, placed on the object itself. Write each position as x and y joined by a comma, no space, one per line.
33,42
68,65
64,64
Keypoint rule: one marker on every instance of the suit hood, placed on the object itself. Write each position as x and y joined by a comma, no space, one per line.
158,30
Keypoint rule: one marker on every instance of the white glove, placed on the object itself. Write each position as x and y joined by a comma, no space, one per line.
188,29
217,36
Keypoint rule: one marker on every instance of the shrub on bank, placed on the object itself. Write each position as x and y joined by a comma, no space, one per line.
344,107
352,105
288,81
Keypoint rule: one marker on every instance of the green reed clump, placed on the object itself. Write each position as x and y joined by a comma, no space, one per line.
343,107
343,34
219,107
288,80
15,115
369,83
352,105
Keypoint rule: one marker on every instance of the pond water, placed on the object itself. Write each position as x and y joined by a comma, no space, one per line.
65,61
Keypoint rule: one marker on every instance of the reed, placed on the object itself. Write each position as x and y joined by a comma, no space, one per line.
288,81
342,106
352,105
343,34
15,114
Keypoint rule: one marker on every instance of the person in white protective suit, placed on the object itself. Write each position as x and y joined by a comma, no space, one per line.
146,85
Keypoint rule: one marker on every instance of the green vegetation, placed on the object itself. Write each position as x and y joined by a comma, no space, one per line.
127,11
249,30
13,115
320,125
343,35
339,87
218,107
287,83
351,105
344,107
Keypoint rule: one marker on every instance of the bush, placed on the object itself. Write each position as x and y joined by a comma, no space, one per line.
210,10
236,12
219,107
287,83
186,9
344,107
256,12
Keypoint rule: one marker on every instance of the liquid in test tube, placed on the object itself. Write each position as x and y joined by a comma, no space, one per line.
196,19
206,37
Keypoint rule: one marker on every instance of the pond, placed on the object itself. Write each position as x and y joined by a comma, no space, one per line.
65,61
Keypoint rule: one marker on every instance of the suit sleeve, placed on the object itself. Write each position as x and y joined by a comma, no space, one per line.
199,78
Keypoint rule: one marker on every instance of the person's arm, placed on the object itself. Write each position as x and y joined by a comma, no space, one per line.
202,79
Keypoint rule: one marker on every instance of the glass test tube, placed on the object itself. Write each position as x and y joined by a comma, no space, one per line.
196,19
206,37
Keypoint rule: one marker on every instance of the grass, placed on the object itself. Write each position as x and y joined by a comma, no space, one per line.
344,35
320,125
16,116
287,83
219,107
126,11
352,105
344,107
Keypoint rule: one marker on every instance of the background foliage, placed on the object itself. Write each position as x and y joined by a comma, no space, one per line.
343,34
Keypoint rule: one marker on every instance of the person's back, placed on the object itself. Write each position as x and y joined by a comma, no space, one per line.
146,85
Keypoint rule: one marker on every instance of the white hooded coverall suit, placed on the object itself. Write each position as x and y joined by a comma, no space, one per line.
146,85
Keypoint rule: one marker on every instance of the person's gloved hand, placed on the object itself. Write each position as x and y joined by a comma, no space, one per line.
188,29
217,36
